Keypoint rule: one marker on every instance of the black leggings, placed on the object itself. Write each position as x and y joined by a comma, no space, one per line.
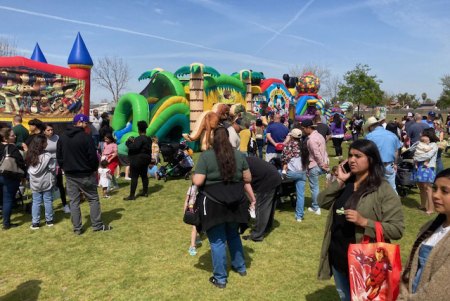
60,185
135,173
337,146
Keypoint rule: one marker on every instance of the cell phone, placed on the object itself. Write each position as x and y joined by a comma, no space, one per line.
346,167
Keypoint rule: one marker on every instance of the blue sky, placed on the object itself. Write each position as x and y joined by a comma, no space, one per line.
406,43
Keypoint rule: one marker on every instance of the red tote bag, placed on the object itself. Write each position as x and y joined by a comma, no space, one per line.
374,269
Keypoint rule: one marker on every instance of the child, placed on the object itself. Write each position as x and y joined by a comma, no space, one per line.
42,167
153,170
422,148
110,154
332,176
195,238
105,178
155,149
186,162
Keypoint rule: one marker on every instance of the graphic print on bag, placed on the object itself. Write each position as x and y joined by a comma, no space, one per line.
372,274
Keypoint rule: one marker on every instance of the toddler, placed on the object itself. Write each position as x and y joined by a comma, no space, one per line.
422,148
332,176
195,238
155,150
105,178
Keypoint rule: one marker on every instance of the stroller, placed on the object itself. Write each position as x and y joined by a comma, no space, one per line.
179,164
404,178
287,188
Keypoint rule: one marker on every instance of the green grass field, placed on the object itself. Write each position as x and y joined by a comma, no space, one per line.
145,256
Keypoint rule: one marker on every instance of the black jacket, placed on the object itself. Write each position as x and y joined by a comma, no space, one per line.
75,152
139,150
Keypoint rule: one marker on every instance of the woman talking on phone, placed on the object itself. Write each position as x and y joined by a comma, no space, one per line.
359,198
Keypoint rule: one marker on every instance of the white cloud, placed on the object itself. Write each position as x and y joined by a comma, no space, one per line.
159,11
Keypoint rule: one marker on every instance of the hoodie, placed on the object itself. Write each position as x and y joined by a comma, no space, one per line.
42,176
76,153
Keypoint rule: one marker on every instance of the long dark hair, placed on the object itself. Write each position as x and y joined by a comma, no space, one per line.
37,147
304,152
430,133
439,220
5,133
224,154
337,120
376,171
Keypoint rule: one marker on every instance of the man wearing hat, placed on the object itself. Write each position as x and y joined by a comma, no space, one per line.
430,119
77,156
318,160
409,120
388,145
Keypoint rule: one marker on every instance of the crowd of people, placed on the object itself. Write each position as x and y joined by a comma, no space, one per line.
242,173
360,191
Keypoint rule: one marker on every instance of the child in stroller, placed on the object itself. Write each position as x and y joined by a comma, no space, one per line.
179,162
404,177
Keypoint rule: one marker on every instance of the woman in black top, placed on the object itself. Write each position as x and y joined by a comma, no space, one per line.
9,184
37,127
140,155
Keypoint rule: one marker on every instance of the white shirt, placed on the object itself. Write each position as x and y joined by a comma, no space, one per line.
96,123
234,138
437,236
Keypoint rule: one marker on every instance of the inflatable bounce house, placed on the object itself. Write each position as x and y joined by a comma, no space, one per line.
33,88
191,102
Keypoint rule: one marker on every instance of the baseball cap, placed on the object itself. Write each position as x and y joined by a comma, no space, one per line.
431,113
409,114
296,133
80,117
307,123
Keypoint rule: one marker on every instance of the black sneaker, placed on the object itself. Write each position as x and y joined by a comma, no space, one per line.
77,232
244,273
217,284
49,223
129,198
34,227
144,194
103,228
11,225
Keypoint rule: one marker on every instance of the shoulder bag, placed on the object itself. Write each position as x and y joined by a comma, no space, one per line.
8,166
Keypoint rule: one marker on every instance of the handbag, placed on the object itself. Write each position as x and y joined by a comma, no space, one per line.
374,269
8,166
192,214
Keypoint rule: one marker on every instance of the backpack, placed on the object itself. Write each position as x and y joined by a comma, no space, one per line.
252,147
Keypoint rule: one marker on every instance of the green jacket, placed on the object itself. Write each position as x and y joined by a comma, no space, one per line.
381,205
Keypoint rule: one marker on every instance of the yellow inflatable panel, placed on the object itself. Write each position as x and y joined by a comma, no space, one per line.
168,102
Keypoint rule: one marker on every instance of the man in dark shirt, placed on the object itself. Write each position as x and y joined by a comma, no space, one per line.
322,128
265,180
20,131
77,156
415,130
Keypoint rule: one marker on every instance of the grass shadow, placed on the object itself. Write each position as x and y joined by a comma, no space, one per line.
410,202
155,188
326,293
205,263
107,217
28,290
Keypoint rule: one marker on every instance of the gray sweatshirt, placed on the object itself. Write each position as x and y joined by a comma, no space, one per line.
42,176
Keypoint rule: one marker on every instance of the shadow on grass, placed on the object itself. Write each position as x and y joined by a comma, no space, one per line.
107,217
327,293
28,290
204,261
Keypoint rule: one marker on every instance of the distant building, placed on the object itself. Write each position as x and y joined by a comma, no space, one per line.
101,107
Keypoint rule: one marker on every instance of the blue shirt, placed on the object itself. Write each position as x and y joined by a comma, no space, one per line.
278,132
387,143
430,123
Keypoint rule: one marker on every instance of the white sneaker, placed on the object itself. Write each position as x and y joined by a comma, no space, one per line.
66,209
315,211
299,220
127,178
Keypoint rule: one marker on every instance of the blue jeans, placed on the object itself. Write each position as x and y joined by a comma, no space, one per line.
389,175
342,284
300,180
313,178
219,237
9,189
47,198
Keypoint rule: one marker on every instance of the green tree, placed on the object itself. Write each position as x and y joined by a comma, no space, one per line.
360,87
444,99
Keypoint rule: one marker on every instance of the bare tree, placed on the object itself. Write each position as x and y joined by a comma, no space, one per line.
113,74
8,47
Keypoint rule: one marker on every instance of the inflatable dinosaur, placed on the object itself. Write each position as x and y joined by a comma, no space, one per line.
205,125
